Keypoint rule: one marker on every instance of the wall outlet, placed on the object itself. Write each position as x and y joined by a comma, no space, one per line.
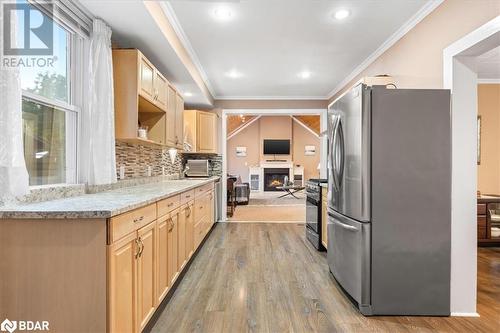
149,171
122,172
163,170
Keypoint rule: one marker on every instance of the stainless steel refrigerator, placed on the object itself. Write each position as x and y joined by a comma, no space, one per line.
389,199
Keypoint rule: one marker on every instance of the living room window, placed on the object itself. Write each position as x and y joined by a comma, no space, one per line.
51,104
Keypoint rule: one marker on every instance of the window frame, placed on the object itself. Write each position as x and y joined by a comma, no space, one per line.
77,24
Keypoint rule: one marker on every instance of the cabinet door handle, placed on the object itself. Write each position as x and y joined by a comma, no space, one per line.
142,247
171,224
139,219
138,244
170,204
188,211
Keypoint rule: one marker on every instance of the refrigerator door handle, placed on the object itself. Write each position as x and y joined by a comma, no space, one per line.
340,130
345,226
334,152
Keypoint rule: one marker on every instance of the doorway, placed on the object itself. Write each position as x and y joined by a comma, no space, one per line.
461,76
252,164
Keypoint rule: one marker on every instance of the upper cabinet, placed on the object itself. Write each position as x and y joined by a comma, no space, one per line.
144,98
200,131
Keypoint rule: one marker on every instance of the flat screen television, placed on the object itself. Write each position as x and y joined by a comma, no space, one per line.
276,147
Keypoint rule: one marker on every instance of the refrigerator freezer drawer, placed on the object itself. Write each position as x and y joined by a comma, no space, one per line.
349,256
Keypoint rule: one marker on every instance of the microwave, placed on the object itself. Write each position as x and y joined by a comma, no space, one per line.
197,168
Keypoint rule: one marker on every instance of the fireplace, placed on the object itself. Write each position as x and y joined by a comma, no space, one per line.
274,177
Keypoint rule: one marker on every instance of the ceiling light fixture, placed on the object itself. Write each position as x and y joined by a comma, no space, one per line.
188,94
234,74
223,13
341,14
304,75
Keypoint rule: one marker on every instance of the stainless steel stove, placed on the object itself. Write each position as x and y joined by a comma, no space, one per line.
313,212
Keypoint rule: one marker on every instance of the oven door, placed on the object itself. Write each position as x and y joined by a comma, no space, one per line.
312,214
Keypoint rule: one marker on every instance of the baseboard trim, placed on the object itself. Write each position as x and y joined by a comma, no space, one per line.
465,314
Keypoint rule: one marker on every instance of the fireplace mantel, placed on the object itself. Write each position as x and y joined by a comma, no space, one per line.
256,173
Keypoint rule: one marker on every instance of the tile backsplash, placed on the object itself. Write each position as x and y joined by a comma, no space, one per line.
136,159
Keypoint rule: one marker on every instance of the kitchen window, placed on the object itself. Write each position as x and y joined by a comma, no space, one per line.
52,99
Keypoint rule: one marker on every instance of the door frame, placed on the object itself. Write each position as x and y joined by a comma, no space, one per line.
459,75
270,112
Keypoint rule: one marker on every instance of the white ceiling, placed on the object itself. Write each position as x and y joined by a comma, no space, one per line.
270,41
488,65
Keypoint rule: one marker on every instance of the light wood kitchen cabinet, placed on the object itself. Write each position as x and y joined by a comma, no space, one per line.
146,78
122,284
181,239
160,88
175,118
179,121
188,212
200,131
172,246
163,279
171,110
140,98
146,274
207,132
324,217
123,270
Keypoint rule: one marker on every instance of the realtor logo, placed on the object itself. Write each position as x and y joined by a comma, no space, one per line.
33,30
23,325
8,326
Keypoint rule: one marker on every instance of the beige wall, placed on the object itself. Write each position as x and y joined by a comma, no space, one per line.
272,127
275,127
416,60
271,104
301,138
488,172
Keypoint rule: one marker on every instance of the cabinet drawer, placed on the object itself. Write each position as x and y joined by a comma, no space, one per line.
481,209
481,233
204,189
124,224
165,206
187,196
481,221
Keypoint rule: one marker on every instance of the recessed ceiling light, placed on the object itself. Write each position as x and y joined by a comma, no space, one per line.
234,74
188,94
304,74
341,14
223,13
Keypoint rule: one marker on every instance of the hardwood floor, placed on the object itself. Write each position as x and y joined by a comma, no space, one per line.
267,278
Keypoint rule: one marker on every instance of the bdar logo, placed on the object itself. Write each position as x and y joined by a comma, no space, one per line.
8,326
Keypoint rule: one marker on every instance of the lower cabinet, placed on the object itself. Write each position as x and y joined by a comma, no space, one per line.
163,277
189,214
146,274
144,264
181,239
172,244
122,282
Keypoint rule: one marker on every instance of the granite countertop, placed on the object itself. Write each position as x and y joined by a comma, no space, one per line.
104,204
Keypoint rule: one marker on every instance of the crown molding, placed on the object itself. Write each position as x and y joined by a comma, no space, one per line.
403,30
488,81
172,18
271,98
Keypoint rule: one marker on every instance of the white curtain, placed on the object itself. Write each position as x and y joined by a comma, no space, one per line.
98,124
14,179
